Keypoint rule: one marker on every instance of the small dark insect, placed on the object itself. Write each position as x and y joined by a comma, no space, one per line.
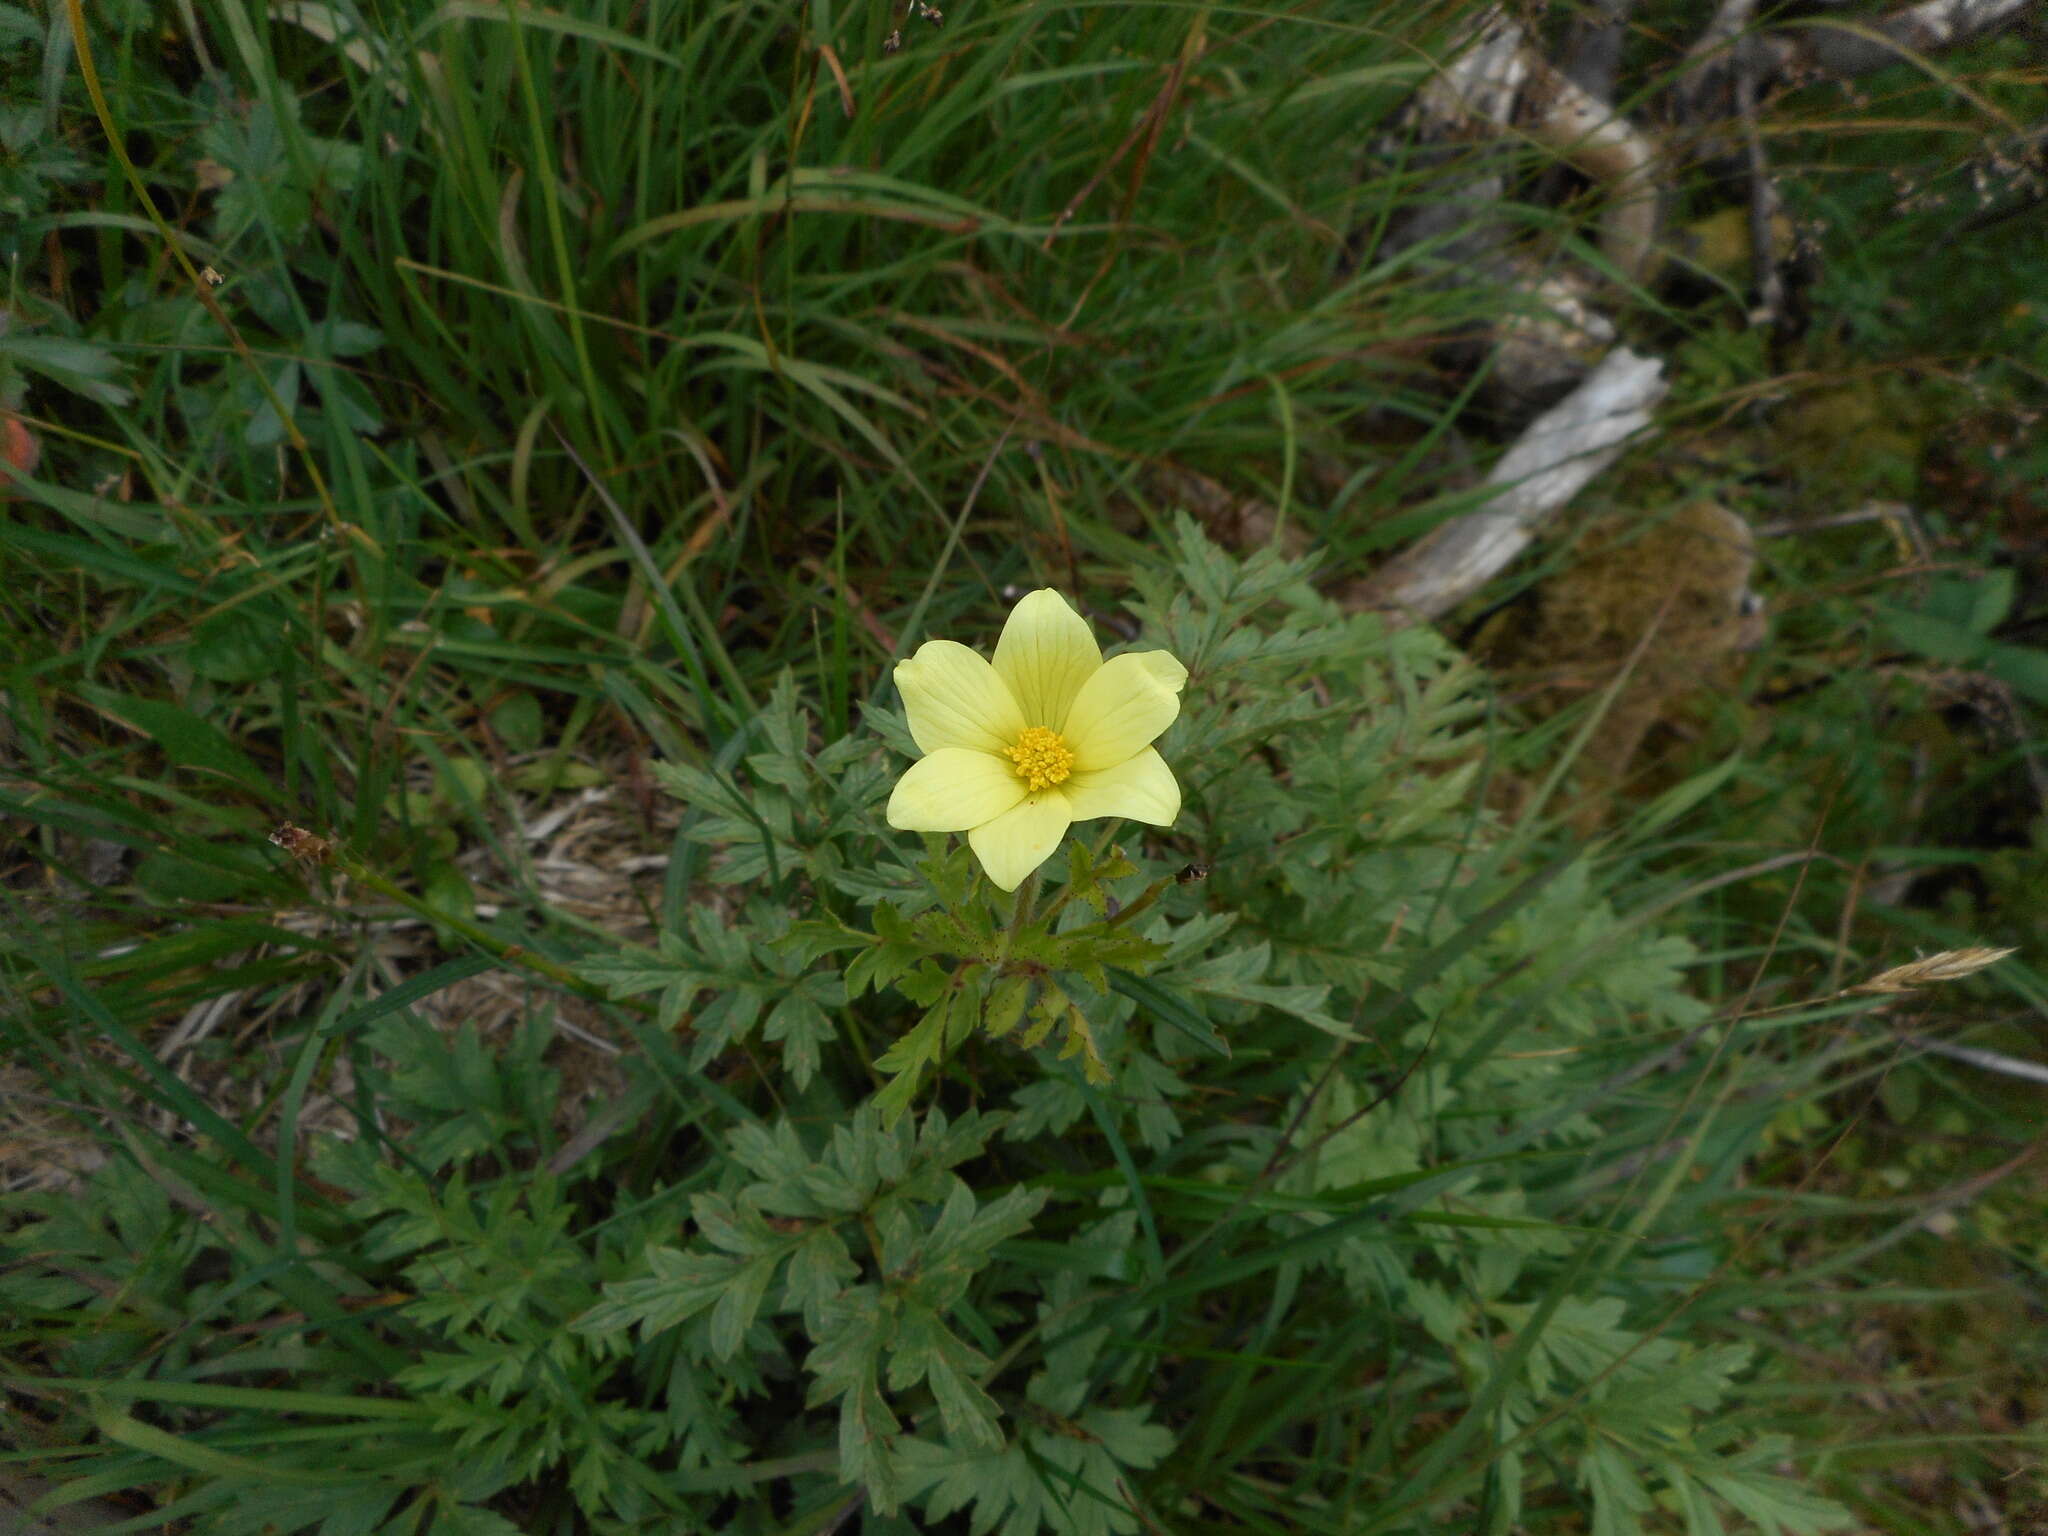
923,12
302,845
1191,874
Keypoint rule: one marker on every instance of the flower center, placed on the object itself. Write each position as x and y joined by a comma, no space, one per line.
1042,759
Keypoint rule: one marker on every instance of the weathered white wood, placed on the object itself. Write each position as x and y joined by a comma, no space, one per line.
1550,463
1917,29
1498,80
1820,45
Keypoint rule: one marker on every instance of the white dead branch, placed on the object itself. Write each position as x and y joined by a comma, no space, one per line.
1499,83
1550,463
1825,46
1844,48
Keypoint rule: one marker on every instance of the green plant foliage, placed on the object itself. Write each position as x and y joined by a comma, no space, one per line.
1354,1068
1174,1149
597,398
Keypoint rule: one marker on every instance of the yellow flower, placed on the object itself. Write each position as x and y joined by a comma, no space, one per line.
1051,734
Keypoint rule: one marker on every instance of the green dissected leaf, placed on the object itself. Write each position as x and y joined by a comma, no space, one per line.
952,872
1151,1086
895,951
928,984
942,1144
1049,1010
676,1288
740,977
949,1018
923,1350
820,1268
778,1158
1086,875
1670,1389
1005,1006
1693,1501
1238,976
1583,1338
1060,1475
470,1520
267,185
630,972
786,726
921,1045
812,940
351,1511
1619,1497
960,1244
799,1021
845,1366
1081,1042
733,1313
700,791
1092,953
1779,1506
1434,799
968,935
895,1097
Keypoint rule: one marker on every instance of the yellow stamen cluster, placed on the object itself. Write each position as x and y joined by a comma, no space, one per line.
1042,758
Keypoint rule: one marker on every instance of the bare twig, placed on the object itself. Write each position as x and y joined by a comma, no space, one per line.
1895,515
1764,205
1990,1061
1712,61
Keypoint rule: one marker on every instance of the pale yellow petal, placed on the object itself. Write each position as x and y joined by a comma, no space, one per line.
953,789
1141,788
1045,655
1123,708
1017,842
954,699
